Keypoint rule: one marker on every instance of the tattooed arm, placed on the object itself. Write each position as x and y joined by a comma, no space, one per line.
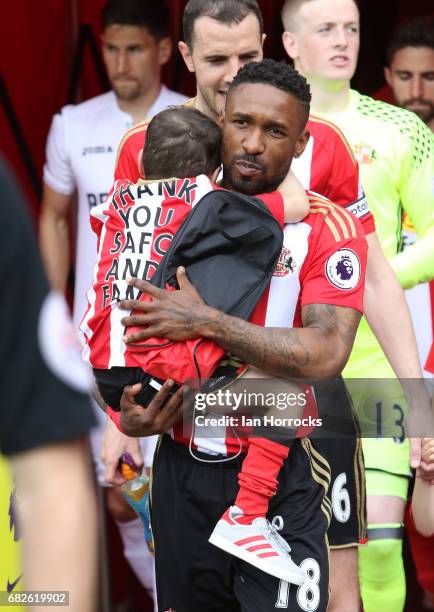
319,349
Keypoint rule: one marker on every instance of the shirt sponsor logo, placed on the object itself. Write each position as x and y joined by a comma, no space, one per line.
359,208
98,149
286,263
364,153
343,269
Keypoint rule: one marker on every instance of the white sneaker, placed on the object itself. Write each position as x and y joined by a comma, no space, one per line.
258,544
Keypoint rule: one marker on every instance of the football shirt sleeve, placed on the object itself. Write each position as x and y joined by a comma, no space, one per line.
335,172
274,202
416,187
345,187
58,172
334,271
127,159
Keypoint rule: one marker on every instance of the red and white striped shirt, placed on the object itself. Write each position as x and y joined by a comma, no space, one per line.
135,227
323,261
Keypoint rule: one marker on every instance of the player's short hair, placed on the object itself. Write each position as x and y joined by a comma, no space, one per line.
417,32
150,14
290,10
181,142
277,74
225,11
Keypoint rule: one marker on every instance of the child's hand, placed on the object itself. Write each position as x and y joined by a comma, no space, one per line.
427,450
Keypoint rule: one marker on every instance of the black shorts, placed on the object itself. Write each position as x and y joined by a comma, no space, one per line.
189,497
111,383
339,442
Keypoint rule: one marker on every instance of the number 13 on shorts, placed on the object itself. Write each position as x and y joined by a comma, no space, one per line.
308,594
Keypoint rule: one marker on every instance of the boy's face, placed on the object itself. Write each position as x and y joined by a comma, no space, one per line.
262,130
217,53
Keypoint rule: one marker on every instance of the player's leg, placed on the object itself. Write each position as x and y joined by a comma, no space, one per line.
187,499
347,493
299,512
344,580
348,525
381,567
381,407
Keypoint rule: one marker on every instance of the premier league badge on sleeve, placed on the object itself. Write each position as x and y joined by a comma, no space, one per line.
343,269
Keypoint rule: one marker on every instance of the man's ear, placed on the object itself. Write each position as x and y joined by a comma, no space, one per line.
290,44
164,50
140,163
186,55
388,75
264,36
301,143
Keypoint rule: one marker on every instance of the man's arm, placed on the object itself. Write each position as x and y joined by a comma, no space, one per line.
59,520
388,316
54,236
318,350
415,264
387,313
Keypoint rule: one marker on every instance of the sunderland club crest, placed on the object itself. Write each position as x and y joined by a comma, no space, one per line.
286,263
364,153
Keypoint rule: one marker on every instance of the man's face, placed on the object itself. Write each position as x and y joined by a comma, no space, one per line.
411,76
218,52
262,131
324,43
133,59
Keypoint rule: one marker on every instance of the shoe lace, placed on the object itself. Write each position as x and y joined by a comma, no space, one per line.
275,537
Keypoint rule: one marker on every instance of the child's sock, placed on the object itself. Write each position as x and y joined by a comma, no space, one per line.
258,477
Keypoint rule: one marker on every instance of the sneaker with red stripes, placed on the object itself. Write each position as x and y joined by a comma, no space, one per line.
257,543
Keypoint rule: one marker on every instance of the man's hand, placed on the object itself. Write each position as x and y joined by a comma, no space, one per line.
114,445
426,467
158,417
419,420
171,314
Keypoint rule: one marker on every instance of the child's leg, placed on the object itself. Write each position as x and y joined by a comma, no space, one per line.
243,530
258,476
269,446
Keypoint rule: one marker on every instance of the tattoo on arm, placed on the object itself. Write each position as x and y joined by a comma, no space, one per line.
325,339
